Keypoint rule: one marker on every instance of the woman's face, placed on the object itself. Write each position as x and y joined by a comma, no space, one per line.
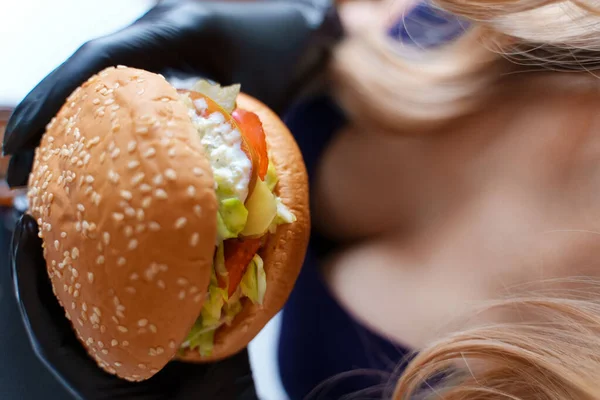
503,198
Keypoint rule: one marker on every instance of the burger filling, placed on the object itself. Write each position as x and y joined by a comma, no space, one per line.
249,209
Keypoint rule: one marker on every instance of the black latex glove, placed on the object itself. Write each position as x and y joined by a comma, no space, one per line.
273,48
57,346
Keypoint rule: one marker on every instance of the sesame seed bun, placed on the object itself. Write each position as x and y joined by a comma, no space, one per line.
124,197
284,252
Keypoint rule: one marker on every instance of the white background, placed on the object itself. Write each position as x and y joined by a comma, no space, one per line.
35,37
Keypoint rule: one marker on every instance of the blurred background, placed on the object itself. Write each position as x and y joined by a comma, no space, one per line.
35,37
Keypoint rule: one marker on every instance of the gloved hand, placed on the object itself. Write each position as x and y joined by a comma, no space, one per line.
57,346
273,48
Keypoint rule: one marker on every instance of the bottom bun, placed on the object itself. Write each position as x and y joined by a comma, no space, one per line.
284,251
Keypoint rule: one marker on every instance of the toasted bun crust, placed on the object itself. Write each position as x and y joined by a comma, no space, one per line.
285,250
125,201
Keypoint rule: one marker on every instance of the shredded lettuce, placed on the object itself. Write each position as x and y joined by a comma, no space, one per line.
254,281
271,178
225,96
201,338
231,218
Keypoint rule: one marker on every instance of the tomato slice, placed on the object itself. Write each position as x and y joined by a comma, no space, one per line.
238,254
252,130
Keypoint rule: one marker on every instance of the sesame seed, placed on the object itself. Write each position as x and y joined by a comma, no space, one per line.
113,176
151,352
146,202
181,294
84,306
191,191
171,153
89,341
80,321
149,153
118,217
73,306
85,225
198,298
139,228
130,212
96,101
100,260
194,239
142,322
97,311
142,366
193,290
170,174
128,231
100,344
182,281
78,226
142,130
131,146
158,179
76,293
172,344
134,277
163,267
133,243
160,194
154,226
145,188
108,102
117,364
126,194
115,153
56,244
115,320
121,261
124,343
180,223
137,178
91,277
80,207
104,351
114,343
122,329
152,328
106,238
74,253
89,179
133,164
102,329
197,171
161,284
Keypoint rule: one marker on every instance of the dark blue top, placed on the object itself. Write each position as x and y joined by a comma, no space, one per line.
323,351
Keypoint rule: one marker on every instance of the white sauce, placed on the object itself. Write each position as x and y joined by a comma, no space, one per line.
223,145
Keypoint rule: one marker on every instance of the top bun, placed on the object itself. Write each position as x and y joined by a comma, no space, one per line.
124,198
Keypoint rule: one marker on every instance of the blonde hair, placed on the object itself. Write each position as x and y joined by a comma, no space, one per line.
554,353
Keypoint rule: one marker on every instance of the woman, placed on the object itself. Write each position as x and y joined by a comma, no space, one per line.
451,180
467,174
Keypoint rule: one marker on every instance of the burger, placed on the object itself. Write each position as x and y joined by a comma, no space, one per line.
174,222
